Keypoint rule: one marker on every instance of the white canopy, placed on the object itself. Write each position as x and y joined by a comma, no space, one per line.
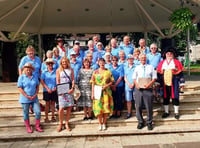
89,16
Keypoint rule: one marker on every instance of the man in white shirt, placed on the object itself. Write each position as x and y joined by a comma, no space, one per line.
144,76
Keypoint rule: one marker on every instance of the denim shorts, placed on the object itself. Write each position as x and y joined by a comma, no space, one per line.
129,95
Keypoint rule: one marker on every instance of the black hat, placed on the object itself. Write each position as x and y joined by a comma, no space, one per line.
169,49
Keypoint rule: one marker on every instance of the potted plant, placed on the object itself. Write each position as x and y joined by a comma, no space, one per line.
182,18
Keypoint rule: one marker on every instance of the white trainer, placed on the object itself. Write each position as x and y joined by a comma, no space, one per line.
103,127
100,127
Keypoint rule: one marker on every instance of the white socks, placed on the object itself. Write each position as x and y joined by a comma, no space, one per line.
176,109
166,108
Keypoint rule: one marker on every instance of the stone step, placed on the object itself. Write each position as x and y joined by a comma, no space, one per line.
19,133
78,121
156,111
15,103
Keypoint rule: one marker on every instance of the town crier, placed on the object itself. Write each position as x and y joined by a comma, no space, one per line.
171,79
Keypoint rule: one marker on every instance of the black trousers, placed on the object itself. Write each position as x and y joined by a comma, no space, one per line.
175,101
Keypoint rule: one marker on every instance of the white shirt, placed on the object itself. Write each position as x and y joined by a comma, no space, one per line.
168,65
144,71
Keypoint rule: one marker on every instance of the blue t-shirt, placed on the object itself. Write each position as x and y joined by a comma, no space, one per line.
128,72
127,49
95,55
136,62
94,66
49,79
154,60
29,86
79,58
36,63
57,60
118,72
108,66
146,51
115,52
76,67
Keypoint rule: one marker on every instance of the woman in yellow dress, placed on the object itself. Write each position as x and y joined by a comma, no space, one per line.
104,106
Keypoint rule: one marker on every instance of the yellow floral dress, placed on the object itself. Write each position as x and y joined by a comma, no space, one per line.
105,104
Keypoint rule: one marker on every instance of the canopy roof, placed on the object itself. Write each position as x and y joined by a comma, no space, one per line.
89,16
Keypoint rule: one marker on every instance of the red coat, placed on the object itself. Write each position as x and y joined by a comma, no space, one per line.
177,78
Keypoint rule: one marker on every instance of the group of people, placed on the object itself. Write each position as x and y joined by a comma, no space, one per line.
106,76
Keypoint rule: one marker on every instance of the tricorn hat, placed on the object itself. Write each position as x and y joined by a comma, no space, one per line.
169,49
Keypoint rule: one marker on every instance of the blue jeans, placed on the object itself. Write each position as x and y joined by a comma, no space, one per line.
36,109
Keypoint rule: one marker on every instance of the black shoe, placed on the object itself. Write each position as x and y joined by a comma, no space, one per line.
140,125
85,118
165,115
128,116
90,118
149,126
111,117
177,116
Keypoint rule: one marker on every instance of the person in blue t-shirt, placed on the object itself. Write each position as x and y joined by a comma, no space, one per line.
28,85
79,53
49,54
108,62
95,54
48,80
114,49
117,87
126,46
93,65
100,49
122,60
136,57
56,56
154,57
143,48
75,65
129,85
33,59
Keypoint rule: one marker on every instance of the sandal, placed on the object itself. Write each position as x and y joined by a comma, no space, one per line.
67,127
53,119
46,120
59,129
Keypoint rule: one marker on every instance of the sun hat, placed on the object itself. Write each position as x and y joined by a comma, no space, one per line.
29,65
107,53
130,56
72,53
50,60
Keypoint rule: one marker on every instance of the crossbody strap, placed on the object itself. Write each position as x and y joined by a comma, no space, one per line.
67,76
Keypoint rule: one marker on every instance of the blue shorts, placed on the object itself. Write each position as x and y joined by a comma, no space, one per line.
129,95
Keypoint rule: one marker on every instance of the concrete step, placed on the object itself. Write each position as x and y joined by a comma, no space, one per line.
17,112
78,121
19,133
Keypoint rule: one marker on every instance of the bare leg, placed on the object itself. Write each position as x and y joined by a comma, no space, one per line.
90,111
61,112
53,109
105,118
85,111
67,118
46,111
129,106
100,118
